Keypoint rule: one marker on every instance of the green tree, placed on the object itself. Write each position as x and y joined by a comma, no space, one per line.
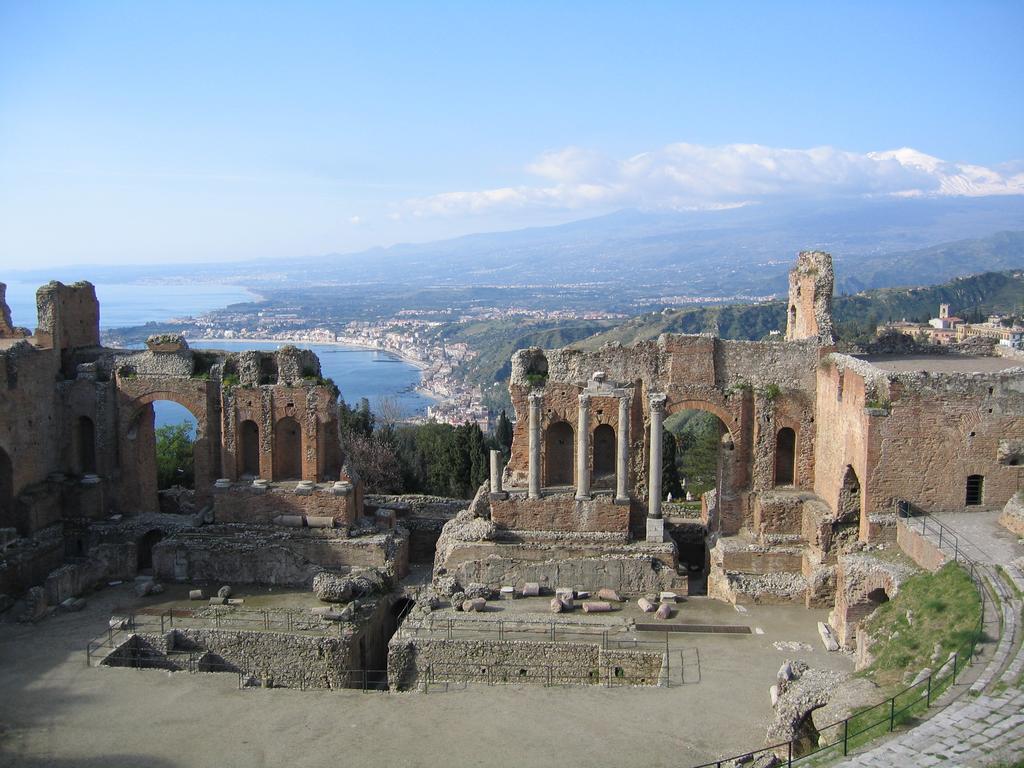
175,464
358,421
503,435
669,469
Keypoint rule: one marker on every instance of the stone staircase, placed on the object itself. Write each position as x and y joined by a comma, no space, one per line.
778,556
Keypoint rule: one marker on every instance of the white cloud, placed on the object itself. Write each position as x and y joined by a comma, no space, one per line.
355,220
694,176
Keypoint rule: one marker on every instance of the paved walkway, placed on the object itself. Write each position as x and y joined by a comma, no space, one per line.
984,726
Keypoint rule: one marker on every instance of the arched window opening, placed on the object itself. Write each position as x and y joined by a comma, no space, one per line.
849,497
287,450
877,596
785,457
975,490
559,454
249,448
86,446
604,451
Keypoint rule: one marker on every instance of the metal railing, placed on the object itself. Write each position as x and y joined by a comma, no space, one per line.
214,617
112,637
837,739
548,675
454,628
948,539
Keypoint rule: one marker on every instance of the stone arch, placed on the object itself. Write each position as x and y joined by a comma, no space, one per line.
732,469
287,449
136,451
559,454
85,446
785,456
732,426
248,449
856,600
7,516
604,452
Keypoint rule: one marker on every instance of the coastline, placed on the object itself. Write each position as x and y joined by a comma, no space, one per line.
415,363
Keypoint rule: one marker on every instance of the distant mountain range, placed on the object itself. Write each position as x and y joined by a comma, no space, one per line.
744,251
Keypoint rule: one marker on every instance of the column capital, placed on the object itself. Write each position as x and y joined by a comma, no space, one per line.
584,398
535,398
657,401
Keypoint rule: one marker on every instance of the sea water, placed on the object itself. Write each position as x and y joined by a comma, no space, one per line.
358,372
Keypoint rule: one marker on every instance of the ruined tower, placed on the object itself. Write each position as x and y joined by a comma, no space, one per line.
810,298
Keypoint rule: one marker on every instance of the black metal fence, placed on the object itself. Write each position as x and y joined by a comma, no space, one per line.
837,739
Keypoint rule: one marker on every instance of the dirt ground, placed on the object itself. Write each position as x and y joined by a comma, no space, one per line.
57,711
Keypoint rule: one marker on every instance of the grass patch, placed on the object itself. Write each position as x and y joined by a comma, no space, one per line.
944,607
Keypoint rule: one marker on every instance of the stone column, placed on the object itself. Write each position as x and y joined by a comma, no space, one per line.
655,523
583,448
622,451
536,399
495,471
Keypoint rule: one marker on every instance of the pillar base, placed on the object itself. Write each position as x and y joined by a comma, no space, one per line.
621,500
498,495
588,497
655,530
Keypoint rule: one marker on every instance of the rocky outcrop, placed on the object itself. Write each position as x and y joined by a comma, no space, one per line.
360,583
1012,518
801,691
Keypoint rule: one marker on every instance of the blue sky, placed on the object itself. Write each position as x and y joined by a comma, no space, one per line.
150,132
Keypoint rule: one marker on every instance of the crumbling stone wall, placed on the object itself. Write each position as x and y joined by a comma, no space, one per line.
811,283
754,388
514,661
862,581
249,554
244,503
560,512
916,436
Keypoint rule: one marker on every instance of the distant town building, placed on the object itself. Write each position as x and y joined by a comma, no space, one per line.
949,329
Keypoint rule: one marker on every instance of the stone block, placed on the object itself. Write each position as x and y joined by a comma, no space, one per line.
556,605
655,530
668,597
597,606
195,594
474,605
508,593
609,595
827,637
664,611
319,522
645,605
531,589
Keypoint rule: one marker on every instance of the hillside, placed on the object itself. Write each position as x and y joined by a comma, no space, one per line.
856,315
1001,251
